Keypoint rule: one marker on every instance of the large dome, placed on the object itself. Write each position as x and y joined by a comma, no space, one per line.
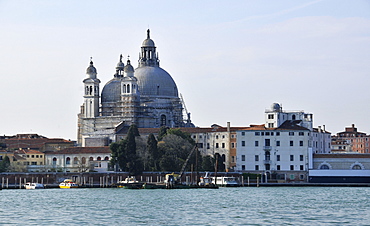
111,91
154,81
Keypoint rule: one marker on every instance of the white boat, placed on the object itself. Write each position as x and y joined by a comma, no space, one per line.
206,181
30,185
226,181
68,183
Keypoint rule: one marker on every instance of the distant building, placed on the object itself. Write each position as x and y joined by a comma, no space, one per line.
34,142
282,147
351,140
146,96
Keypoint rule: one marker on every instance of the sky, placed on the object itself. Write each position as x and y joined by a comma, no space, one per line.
230,59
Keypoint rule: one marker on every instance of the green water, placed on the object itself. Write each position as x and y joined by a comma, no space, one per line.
224,206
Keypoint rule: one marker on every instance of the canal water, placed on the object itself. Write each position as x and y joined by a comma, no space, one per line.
224,206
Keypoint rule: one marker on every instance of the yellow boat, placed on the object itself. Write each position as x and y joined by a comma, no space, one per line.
68,183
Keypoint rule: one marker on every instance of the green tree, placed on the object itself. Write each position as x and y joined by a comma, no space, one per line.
5,164
208,163
124,153
154,154
162,132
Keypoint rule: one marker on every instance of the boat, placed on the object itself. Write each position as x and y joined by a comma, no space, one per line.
130,183
206,182
68,183
226,181
30,185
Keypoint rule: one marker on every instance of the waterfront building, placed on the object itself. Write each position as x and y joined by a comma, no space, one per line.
78,159
282,147
340,168
146,96
351,140
27,160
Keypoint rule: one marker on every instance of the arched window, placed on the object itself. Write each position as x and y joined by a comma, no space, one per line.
356,167
91,90
128,88
163,120
324,167
106,158
68,160
91,159
124,88
54,161
75,160
293,117
83,160
99,158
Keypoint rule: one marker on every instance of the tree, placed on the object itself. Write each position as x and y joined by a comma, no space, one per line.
124,153
5,164
162,132
208,163
153,152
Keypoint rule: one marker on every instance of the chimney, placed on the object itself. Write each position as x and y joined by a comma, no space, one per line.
228,126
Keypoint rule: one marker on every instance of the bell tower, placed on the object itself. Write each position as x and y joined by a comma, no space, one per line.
91,93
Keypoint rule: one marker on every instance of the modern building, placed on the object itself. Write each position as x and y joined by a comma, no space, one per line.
146,96
282,147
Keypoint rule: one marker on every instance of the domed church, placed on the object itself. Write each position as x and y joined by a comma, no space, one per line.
146,96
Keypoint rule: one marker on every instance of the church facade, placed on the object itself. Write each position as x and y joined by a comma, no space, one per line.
146,96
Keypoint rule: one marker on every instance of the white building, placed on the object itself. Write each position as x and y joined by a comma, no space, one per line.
79,159
282,148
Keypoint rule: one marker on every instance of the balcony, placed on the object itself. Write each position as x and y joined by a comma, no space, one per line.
267,162
267,148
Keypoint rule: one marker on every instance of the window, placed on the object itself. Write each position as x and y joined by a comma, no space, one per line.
32,156
68,160
83,160
291,143
256,133
256,143
232,158
256,158
301,133
75,160
98,158
270,116
216,145
267,166
208,147
243,157
243,143
277,157
243,133
291,167
271,125
216,136
163,120
291,157
277,133
106,158
223,145
256,167
54,161
301,176
324,167
301,167
301,143
37,156
291,133
243,167
232,145
200,145
34,163
301,158
277,167
223,136
278,143
356,167
267,133
91,159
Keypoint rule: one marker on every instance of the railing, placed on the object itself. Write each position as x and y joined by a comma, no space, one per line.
266,161
267,148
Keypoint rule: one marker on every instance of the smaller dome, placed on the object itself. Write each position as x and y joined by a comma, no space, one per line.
129,67
120,64
148,42
275,107
91,70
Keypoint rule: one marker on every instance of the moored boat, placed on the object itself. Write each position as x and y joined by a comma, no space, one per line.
226,181
30,185
68,183
130,183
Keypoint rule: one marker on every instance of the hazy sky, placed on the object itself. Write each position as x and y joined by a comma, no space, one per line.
230,59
